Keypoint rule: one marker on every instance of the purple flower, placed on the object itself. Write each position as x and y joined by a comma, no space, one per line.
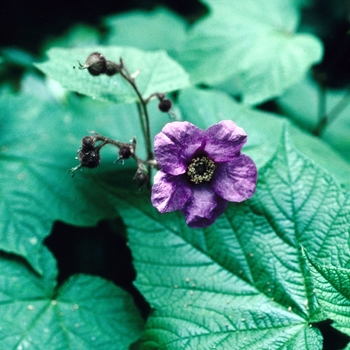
201,170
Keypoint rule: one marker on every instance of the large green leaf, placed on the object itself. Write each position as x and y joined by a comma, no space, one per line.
241,283
204,108
39,140
250,49
145,30
85,313
301,103
157,73
331,286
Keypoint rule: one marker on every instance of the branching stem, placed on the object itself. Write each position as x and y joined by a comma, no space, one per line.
106,140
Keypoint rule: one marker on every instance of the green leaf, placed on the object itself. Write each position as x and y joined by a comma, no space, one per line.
301,104
85,313
331,285
145,30
157,73
39,140
78,36
248,49
49,90
242,282
17,57
264,130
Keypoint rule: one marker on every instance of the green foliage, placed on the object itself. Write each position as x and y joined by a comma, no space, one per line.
265,273
157,73
243,281
39,142
85,313
241,48
78,36
301,102
145,30
18,57
248,49
331,285
204,108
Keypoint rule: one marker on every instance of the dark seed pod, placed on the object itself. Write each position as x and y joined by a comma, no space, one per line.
125,151
89,159
165,105
141,176
88,143
96,64
112,68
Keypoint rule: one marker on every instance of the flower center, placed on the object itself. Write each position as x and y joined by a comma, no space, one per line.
201,169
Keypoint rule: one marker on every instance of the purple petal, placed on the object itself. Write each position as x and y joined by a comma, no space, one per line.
235,181
175,145
169,192
204,207
224,141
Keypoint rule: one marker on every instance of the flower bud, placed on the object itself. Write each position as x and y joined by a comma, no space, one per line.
125,151
90,158
141,176
165,105
96,64
112,68
88,143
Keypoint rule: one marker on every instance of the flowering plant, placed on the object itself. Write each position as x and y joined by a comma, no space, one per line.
208,207
201,170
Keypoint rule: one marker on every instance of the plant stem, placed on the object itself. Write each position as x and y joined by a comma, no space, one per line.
339,107
326,119
143,112
108,141
142,119
322,117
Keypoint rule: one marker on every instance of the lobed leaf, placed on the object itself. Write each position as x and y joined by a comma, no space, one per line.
157,73
248,49
242,282
300,103
331,284
145,30
85,313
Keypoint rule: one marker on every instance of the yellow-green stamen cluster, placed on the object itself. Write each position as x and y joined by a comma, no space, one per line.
201,169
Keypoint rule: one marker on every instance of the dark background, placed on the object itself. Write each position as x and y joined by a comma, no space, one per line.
26,24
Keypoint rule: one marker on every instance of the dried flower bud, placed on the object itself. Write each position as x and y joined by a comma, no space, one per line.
164,105
90,158
125,151
141,176
96,64
88,143
112,68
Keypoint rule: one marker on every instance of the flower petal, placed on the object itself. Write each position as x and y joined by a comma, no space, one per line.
169,192
235,181
224,141
204,207
175,145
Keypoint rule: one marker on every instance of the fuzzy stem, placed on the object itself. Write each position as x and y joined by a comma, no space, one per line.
152,163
